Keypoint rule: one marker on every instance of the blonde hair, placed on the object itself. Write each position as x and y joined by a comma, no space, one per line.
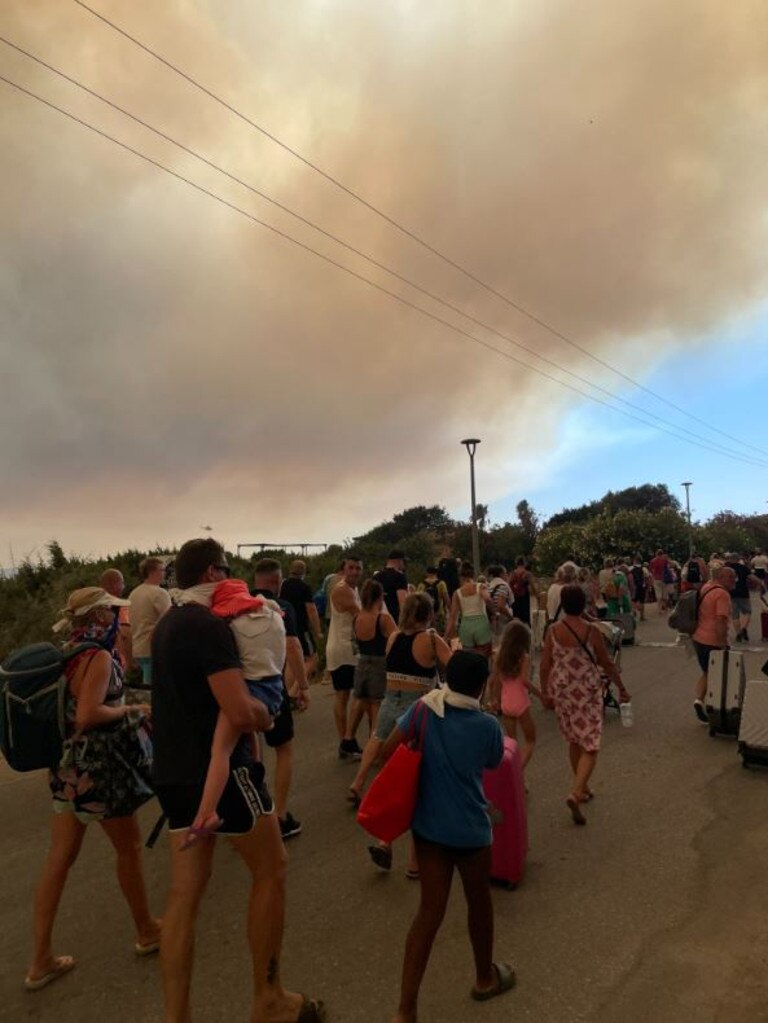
515,644
417,610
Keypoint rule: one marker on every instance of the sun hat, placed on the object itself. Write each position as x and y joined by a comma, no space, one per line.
81,601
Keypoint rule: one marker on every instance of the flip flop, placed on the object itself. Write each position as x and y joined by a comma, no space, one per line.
63,964
147,950
381,856
412,875
505,981
312,1011
573,805
354,798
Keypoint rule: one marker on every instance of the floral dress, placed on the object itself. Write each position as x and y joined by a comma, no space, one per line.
576,686
104,772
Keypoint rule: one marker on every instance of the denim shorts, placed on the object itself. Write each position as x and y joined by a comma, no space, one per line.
395,703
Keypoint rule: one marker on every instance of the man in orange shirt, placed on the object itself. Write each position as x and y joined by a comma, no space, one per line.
713,618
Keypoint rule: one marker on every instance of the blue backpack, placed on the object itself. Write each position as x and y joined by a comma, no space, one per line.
33,694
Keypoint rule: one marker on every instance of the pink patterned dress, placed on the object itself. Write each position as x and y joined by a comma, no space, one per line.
576,687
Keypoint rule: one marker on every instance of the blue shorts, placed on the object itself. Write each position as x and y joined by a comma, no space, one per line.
269,690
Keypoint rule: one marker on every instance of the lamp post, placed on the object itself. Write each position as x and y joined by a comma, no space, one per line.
471,445
688,486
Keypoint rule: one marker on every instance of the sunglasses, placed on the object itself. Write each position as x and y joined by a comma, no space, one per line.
223,568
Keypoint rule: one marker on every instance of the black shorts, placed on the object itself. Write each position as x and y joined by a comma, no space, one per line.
244,800
343,678
702,653
282,730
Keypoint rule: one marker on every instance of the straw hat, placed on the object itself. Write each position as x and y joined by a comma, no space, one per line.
81,601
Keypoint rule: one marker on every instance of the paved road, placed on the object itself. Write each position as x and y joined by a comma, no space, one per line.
657,911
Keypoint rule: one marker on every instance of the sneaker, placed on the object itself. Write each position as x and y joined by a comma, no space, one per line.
289,826
349,750
356,746
700,712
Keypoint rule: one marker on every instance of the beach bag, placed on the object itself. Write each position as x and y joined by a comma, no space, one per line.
33,693
389,804
108,769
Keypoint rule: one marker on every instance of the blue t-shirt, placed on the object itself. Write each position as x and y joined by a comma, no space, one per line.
457,749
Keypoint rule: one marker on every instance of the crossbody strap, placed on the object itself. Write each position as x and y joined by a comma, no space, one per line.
583,645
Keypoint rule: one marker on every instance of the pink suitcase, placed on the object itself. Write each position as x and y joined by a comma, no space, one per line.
505,791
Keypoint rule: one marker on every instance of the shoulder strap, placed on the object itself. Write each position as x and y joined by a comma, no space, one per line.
583,645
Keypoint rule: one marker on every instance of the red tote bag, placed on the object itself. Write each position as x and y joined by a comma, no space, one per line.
388,806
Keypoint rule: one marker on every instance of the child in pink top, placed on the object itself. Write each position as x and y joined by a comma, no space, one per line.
510,685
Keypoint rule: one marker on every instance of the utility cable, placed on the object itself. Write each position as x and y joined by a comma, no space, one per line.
373,284
351,248
412,234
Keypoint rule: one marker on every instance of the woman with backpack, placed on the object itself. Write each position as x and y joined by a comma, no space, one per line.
102,778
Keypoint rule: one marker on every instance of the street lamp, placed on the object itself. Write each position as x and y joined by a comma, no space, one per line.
688,486
471,445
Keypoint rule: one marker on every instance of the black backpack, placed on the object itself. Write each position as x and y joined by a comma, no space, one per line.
434,595
33,694
694,571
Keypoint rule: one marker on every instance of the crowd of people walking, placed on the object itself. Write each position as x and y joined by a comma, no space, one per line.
228,665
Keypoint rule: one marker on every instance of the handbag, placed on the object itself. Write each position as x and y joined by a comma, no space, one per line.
389,804
108,770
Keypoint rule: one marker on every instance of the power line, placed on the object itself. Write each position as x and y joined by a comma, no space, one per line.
413,235
351,248
705,445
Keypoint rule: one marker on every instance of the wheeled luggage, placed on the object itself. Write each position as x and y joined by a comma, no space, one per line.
626,622
726,680
764,619
753,730
505,791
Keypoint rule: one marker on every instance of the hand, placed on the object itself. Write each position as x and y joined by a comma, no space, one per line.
140,708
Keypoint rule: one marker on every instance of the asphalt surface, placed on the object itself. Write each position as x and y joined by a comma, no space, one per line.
656,911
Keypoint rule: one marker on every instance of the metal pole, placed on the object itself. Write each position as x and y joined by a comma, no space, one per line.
688,486
471,445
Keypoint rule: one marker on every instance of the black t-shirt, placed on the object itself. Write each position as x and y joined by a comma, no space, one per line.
392,581
289,615
448,571
189,644
298,594
741,589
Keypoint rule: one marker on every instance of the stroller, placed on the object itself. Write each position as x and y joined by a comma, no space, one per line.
613,635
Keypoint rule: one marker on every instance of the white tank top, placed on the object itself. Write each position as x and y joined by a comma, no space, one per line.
260,638
341,648
471,606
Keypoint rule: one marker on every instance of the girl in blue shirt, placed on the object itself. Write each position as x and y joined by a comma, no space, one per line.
451,828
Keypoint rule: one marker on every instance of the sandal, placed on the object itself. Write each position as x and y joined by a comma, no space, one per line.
572,802
381,856
354,798
147,950
412,875
62,965
312,1011
505,981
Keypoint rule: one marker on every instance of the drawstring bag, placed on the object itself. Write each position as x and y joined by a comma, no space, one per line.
389,804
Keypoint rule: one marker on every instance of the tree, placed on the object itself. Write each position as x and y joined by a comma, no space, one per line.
529,523
650,497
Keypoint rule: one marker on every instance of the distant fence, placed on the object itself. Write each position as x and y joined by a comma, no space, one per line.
267,546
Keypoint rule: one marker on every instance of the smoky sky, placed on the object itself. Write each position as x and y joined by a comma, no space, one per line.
168,364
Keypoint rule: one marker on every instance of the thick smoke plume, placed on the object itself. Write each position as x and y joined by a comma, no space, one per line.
167,364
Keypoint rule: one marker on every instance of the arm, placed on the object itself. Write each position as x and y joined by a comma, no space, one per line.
314,621
443,652
343,599
545,669
489,603
450,628
294,657
389,747
387,623
494,692
242,711
401,595
90,688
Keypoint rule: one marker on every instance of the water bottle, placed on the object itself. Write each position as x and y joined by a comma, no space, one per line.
627,719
